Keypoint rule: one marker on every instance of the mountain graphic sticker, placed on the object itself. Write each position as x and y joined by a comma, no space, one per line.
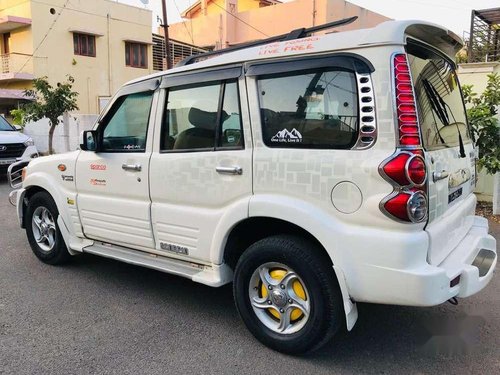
284,135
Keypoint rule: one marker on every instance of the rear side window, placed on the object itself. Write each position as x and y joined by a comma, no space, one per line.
309,109
202,117
440,105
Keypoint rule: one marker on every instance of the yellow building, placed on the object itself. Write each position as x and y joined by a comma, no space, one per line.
222,23
101,43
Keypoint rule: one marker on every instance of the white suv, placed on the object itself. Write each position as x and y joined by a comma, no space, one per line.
313,172
14,146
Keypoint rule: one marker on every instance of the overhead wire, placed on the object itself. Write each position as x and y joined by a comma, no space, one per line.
183,22
239,19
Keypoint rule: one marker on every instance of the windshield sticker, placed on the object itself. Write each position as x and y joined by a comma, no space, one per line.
98,167
97,182
459,177
67,178
286,136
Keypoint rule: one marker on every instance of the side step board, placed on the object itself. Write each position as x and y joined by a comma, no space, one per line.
215,275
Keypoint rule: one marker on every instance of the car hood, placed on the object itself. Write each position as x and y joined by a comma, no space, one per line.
12,137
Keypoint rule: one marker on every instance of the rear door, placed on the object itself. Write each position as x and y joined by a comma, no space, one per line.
201,170
450,154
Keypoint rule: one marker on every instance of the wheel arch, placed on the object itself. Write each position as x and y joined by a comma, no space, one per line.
252,229
38,182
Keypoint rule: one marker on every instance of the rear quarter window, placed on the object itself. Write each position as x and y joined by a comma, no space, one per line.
309,109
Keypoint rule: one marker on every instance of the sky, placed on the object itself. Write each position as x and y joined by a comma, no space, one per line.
453,14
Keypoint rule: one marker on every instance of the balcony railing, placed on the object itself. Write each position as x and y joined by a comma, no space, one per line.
16,63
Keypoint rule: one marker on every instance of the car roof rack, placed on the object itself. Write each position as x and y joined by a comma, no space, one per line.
294,34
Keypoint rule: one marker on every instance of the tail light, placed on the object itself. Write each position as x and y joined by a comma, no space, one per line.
406,109
405,169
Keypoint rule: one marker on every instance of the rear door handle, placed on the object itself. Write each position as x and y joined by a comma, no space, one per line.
436,176
229,170
132,167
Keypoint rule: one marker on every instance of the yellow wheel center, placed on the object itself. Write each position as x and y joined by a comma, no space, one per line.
278,274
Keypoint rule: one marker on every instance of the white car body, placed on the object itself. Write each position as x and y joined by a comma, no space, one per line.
15,146
177,213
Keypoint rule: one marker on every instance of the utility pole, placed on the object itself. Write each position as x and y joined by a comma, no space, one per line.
165,32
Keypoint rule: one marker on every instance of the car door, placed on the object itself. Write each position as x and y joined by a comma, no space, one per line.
201,170
113,182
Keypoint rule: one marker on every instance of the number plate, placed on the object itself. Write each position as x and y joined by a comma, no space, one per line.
454,195
7,161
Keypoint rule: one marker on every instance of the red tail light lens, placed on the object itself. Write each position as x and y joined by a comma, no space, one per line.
409,134
417,174
395,169
406,169
408,206
397,206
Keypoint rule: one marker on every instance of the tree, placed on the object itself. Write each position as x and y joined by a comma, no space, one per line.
49,102
485,126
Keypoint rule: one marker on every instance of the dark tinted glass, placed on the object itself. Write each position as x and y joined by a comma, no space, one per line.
191,118
127,124
312,109
440,105
231,132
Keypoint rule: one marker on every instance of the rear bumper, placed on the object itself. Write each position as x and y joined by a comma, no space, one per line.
474,260
417,283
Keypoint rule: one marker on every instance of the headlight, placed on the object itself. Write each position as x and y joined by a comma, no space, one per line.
29,142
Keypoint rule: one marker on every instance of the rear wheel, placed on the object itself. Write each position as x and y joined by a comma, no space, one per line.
43,232
287,294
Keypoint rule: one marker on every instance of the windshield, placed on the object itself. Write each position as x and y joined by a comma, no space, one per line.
4,125
439,100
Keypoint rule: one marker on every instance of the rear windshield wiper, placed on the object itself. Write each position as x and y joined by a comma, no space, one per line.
435,107
442,108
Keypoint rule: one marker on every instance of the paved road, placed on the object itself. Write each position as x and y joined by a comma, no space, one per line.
100,316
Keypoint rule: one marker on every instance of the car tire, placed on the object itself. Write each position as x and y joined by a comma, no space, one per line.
43,231
276,264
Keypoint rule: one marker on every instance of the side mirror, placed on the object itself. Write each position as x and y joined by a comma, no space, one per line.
89,140
19,128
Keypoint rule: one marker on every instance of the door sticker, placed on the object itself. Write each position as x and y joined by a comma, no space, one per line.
97,182
98,167
286,136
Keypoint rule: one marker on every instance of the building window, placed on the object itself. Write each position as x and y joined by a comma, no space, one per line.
84,44
136,55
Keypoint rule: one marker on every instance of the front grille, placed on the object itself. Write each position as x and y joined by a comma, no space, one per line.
11,150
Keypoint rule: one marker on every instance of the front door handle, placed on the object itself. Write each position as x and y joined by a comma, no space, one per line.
229,170
132,167
436,176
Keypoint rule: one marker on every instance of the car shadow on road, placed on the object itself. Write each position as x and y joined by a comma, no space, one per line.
381,331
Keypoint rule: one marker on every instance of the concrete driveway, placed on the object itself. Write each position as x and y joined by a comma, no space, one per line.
100,316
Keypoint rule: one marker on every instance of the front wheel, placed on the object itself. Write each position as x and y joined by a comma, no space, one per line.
287,294
43,232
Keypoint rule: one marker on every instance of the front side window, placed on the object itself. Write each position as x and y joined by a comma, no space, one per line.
126,125
136,55
84,44
440,105
309,109
195,119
